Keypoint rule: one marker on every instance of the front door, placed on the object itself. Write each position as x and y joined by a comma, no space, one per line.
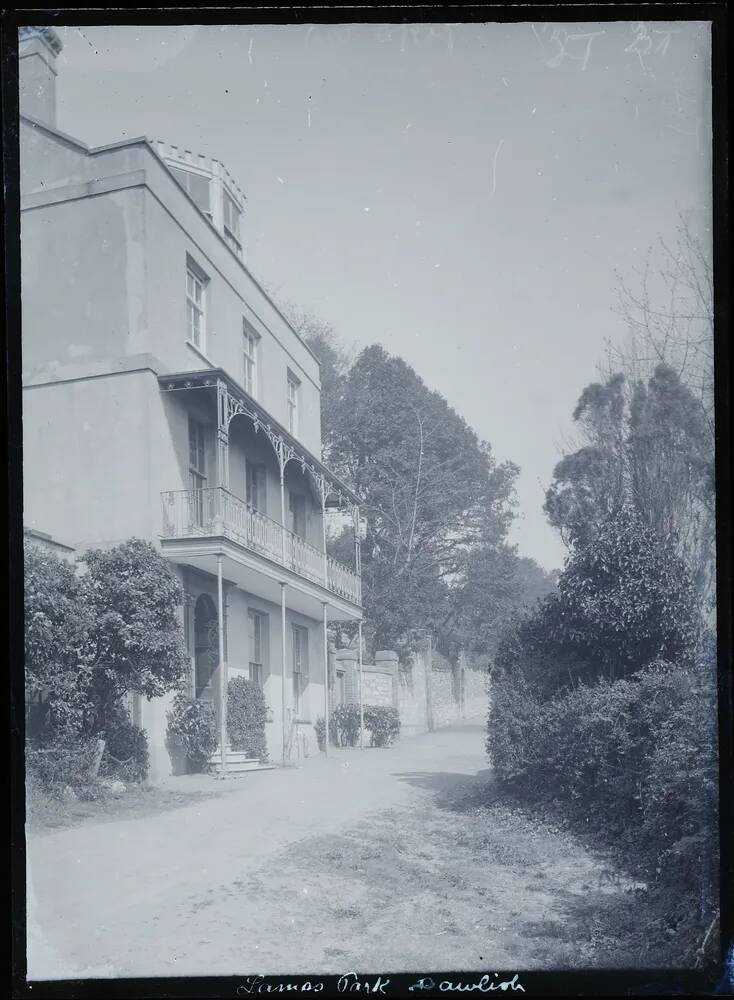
206,651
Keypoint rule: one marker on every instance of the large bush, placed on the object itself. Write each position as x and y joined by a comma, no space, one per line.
624,600
57,628
246,714
192,727
383,724
136,637
634,762
345,725
92,637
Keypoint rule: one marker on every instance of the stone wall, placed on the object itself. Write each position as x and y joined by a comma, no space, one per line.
412,696
377,686
428,691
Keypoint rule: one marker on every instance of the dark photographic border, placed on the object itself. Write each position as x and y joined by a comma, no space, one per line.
716,980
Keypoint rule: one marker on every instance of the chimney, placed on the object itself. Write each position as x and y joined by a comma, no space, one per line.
37,52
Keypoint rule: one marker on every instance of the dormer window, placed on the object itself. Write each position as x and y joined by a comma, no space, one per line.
232,223
196,186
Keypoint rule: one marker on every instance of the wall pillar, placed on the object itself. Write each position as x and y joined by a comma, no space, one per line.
389,659
348,659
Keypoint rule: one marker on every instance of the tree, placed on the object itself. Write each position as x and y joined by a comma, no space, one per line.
670,317
588,482
428,488
430,491
496,587
644,444
671,468
136,641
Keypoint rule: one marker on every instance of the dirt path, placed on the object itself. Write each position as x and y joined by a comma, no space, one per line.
315,870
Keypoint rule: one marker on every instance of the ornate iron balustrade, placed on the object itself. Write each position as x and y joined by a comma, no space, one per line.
216,511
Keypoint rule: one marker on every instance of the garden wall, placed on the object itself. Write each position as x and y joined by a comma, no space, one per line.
428,691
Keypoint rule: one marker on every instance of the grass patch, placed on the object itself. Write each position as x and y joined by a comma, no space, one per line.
436,887
45,814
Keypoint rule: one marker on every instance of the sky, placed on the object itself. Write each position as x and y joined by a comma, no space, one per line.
462,194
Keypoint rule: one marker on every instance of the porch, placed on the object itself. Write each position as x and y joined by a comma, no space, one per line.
249,537
218,513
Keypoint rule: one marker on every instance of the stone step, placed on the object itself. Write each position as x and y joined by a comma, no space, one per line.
242,767
233,757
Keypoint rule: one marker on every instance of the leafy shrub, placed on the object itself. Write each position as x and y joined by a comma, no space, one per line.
381,721
126,750
57,626
623,600
634,761
136,635
246,713
92,638
345,725
60,762
192,727
383,724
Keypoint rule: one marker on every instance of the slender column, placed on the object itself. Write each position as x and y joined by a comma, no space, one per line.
323,533
222,435
223,458
281,461
282,679
222,670
326,681
361,678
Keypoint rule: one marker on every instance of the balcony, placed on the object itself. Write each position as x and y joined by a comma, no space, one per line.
217,512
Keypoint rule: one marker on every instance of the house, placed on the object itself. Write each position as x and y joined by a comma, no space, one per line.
166,397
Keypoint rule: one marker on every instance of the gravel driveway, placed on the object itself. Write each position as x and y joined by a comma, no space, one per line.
213,887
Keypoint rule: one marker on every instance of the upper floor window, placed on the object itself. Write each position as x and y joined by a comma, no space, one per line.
195,305
196,186
232,223
293,387
257,626
250,342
